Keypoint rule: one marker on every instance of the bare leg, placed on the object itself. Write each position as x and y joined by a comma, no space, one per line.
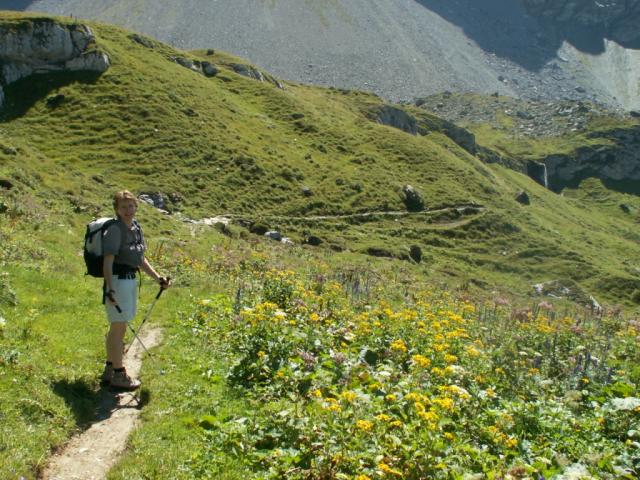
115,339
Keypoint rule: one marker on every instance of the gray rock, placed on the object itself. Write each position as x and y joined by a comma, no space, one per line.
55,100
274,235
523,198
313,241
307,192
155,199
144,41
6,184
209,69
412,199
8,150
42,46
93,61
248,71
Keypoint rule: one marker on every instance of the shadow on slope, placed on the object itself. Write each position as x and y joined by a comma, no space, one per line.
505,28
20,5
23,94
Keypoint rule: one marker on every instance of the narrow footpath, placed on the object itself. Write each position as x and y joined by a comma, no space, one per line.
90,455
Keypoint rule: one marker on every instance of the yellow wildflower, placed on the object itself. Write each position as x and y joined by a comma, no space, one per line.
445,403
317,393
429,416
388,470
348,396
395,423
383,417
473,351
391,397
449,436
363,477
399,345
449,358
421,361
364,425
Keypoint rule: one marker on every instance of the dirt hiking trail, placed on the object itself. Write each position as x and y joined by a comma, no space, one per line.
90,455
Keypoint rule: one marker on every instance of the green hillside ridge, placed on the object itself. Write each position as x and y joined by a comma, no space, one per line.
232,145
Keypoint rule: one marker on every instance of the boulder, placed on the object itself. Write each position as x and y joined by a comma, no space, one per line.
412,199
523,198
258,228
55,100
307,192
274,235
155,199
248,71
625,208
6,184
8,150
252,72
313,241
209,69
144,41
415,252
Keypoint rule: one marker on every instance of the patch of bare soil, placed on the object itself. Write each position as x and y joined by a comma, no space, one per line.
91,454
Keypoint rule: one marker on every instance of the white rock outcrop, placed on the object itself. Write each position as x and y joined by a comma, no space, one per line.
42,46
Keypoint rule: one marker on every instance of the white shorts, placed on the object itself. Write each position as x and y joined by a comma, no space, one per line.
126,295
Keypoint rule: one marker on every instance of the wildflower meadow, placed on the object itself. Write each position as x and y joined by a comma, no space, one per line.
433,387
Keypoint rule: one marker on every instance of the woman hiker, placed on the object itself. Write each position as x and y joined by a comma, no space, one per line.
124,246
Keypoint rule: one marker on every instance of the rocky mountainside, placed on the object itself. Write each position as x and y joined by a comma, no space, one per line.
403,49
612,19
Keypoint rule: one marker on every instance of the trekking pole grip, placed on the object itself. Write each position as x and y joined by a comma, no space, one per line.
162,288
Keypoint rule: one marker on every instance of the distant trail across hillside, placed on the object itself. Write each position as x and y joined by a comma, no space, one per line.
474,208
90,455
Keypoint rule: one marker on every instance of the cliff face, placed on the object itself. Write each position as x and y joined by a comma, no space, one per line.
617,164
618,20
42,46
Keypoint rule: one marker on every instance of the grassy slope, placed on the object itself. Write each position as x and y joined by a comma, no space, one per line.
233,145
149,124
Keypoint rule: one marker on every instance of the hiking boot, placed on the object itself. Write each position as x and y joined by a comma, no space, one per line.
124,381
107,373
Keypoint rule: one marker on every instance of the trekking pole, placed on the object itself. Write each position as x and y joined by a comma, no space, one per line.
135,332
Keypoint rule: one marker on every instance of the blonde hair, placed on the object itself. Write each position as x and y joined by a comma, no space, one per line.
123,195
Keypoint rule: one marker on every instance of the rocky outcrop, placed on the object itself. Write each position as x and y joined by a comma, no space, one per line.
397,118
252,72
618,162
618,20
43,46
